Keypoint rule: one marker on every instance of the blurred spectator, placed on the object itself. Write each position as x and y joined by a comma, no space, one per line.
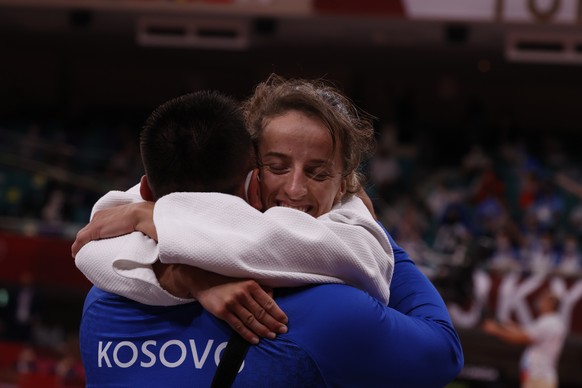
69,368
438,198
530,233
384,168
542,255
490,216
548,205
453,233
23,309
553,152
530,185
53,210
570,258
486,194
505,255
544,338
31,143
411,222
575,220
27,360
408,225
476,161
487,185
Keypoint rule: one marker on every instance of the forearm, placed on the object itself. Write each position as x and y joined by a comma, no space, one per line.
428,351
185,281
420,314
510,333
378,343
145,221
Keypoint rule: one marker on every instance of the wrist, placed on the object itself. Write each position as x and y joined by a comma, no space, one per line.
143,214
190,280
172,279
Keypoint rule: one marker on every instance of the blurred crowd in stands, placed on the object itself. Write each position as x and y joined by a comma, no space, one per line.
51,176
504,207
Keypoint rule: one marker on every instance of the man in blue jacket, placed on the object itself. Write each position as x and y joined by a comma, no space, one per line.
338,336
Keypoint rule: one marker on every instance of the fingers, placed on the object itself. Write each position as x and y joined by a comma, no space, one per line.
238,326
77,245
266,311
88,233
83,237
110,222
254,318
271,308
243,304
253,314
244,323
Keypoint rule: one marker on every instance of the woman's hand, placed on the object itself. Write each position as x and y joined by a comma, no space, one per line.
117,221
246,306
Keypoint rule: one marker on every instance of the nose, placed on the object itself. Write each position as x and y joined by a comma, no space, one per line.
296,185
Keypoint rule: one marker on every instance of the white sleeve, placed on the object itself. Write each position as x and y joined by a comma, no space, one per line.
281,247
122,265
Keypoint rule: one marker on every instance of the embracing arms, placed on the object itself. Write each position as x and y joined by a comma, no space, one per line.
281,247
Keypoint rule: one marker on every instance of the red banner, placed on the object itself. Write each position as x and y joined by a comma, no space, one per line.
47,259
360,7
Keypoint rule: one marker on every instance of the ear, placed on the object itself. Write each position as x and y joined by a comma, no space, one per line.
254,191
145,190
342,190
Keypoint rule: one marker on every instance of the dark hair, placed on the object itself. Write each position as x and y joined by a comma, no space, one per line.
350,128
196,142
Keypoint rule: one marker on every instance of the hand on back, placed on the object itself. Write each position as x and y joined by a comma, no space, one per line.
246,306
117,221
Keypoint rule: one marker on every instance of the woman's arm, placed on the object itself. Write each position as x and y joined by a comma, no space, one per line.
409,343
423,315
222,234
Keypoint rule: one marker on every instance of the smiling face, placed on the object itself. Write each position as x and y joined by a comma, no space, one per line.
298,166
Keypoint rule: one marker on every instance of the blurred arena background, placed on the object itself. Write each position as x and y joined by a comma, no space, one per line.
478,172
